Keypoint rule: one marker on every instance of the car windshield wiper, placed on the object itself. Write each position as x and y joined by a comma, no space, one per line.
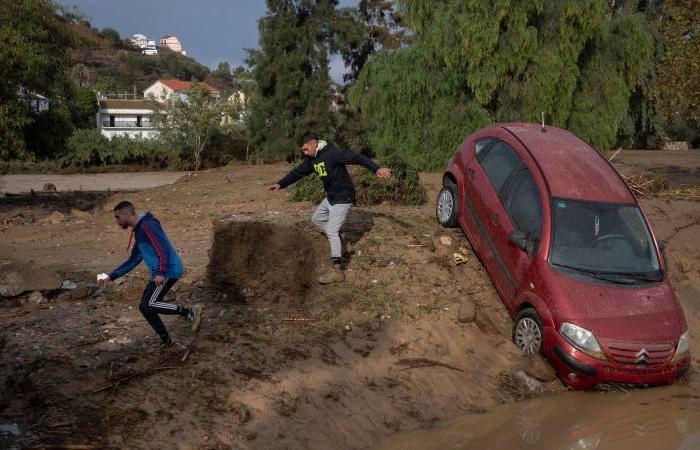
640,276
598,275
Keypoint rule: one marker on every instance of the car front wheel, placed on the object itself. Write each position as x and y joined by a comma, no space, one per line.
528,332
446,207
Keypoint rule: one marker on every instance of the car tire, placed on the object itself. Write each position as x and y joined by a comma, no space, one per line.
446,206
528,332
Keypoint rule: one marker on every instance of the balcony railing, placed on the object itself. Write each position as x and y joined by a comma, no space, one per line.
125,124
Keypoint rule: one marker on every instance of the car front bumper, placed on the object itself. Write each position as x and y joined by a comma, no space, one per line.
581,371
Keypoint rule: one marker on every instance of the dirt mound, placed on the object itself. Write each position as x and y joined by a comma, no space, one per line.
251,259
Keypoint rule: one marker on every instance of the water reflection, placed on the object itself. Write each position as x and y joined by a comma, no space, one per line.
658,419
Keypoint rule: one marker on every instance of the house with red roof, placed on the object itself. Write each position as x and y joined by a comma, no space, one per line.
163,90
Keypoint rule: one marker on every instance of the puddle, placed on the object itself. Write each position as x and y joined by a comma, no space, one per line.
665,418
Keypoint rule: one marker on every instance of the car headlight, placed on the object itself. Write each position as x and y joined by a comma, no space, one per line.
683,348
582,339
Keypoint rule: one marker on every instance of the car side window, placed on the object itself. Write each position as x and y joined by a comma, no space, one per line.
524,206
499,162
481,145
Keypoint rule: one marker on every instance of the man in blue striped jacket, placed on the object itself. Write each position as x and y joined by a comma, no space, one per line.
153,247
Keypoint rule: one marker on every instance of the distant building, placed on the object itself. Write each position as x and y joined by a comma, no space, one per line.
147,46
37,102
163,90
173,43
130,118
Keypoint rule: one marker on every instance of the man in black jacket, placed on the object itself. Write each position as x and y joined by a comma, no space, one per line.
328,161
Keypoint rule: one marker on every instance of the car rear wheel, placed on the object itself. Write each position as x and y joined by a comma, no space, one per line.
528,332
446,207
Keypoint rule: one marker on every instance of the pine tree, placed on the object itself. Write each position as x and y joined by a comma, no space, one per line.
292,76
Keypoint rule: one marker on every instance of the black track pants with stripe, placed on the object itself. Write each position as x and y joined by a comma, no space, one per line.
152,305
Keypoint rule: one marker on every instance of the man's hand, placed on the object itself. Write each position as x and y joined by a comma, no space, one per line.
275,187
384,172
159,279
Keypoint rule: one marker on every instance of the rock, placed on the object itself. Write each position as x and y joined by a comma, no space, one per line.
485,323
37,298
466,313
528,383
79,293
539,368
446,241
49,187
16,278
56,217
80,214
68,285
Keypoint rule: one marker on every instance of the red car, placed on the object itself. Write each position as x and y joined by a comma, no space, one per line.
571,254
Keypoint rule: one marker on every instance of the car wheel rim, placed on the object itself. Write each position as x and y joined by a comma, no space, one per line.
528,337
445,206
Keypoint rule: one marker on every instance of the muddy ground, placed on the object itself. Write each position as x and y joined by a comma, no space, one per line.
410,340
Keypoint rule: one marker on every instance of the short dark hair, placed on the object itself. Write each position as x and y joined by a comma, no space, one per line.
128,206
308,136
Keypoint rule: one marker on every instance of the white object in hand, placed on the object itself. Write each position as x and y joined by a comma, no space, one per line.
102,276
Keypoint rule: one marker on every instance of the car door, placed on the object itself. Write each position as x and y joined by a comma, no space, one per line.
471,225
523,206
490,175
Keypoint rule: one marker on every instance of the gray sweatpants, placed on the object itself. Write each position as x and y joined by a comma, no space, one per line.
329,218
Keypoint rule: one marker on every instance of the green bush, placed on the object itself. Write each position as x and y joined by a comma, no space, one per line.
404,188
88,148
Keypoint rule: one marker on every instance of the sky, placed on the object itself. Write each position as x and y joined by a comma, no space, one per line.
210,30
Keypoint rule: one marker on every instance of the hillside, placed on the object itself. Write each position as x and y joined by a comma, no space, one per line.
108,65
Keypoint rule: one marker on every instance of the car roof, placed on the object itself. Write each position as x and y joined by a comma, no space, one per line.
572,168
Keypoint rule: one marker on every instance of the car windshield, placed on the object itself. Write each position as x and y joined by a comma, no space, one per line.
603,240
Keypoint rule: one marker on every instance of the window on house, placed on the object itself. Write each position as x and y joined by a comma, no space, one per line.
111,121
138,121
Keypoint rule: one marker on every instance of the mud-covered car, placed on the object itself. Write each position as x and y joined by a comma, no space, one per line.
570,252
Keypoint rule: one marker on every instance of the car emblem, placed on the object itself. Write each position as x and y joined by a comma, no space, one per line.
642,356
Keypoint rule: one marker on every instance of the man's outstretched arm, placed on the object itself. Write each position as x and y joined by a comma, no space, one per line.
295,175
133,261
358,159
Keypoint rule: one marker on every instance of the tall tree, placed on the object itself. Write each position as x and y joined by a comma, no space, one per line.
292,76
476,62
35,56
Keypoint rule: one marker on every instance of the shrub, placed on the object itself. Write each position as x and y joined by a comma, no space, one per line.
88,147
404,188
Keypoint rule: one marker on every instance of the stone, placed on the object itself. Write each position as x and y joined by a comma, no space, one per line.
17,278
538,367
49,187
68,285
528,383
56,217
446,241
466,313
37,298
80,214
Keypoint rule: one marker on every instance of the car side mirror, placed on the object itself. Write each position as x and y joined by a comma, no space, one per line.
518,239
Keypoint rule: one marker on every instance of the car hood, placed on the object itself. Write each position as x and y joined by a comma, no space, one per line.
630,313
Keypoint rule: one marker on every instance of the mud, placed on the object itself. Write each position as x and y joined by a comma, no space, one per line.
90,182
252,259
385,352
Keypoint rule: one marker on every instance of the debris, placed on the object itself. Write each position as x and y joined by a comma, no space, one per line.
446,241
68,285
644,183
38,298
78,293
49,187
80,214
56,217
102,277
9,428
466,313
529,382
16,278
459,258
519,385
411,363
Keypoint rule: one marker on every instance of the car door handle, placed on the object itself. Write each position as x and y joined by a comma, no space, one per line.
495,220
471,173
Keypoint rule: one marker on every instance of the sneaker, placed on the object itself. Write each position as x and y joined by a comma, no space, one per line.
166,343
195,316
335,275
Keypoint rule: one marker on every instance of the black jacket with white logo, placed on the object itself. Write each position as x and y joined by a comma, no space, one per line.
329,164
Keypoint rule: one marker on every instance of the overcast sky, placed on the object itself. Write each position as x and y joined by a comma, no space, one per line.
210,30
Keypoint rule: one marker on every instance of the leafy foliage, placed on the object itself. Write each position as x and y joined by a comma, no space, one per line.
35,56
475,63
404,188
89,148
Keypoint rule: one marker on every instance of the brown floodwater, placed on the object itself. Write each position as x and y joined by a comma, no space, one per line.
665,418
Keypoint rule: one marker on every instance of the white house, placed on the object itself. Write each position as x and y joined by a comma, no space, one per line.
147,46
131,118
163,90
37,102
173,43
